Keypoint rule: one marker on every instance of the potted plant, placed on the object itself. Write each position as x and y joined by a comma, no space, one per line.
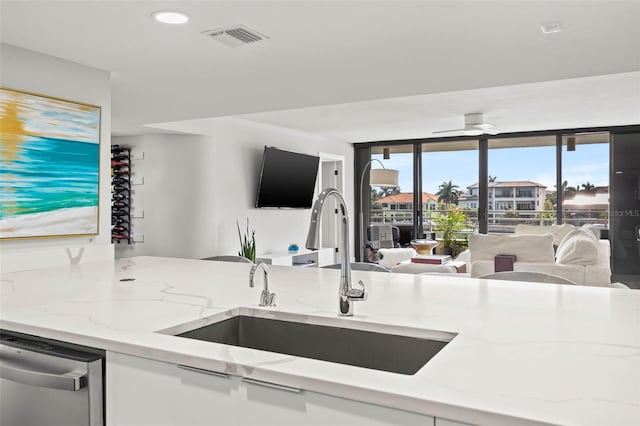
247,244
450,223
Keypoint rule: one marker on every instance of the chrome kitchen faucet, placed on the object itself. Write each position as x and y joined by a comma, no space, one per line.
346,294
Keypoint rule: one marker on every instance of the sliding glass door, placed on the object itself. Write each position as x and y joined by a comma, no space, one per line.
449,182
521,182
585,179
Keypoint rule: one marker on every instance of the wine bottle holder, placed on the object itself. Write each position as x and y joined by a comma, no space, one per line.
121,194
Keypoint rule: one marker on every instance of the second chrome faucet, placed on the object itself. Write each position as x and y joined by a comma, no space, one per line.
266,298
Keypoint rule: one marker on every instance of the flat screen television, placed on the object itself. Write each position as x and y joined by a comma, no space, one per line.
287,180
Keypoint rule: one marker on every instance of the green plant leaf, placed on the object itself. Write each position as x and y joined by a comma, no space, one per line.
247,243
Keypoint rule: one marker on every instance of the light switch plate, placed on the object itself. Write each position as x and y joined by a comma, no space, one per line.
138,238
137,155
137,213
137,180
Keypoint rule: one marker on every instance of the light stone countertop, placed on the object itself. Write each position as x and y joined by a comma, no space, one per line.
524,353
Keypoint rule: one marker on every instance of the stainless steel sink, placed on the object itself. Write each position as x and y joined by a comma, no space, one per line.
369,349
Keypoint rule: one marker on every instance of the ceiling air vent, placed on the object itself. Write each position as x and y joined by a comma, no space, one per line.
238,35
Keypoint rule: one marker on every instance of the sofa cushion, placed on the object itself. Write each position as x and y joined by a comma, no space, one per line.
482,267
578,248
604,254
558,231
390,257
465,257
597,275
526,248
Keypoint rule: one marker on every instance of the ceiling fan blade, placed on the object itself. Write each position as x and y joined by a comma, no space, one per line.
449,131
474,125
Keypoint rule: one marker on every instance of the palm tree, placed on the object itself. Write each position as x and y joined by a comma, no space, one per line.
589,188
448,192
568,192
492,178
386,191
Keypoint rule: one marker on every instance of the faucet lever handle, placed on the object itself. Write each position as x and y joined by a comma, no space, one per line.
271,300
357,294
267,298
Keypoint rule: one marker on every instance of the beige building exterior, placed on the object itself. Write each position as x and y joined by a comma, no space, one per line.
399,208
520,196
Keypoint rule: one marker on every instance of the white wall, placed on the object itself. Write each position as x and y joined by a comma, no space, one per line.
34,72
176,197
197,187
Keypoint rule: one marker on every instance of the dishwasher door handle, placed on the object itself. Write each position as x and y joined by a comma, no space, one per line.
71,381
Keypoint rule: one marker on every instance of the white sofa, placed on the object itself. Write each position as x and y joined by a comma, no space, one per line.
581,257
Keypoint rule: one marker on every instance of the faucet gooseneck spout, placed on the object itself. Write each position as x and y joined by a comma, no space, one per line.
347,294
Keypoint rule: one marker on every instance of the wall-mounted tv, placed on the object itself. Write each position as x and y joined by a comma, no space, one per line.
287,180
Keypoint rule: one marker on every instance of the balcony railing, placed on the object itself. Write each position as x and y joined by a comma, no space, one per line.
499,221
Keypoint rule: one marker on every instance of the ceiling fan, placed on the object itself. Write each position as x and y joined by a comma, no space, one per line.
474,125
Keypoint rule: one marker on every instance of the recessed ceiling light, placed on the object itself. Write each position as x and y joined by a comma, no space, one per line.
170,17
551,27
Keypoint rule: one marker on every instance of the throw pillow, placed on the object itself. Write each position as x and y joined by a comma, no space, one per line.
590,228
561,231
578,248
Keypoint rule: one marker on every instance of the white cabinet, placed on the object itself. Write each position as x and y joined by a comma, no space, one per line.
273,407
146,392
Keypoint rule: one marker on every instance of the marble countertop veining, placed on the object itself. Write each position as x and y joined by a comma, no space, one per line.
524,353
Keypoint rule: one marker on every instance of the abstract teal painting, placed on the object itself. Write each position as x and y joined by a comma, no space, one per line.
49,166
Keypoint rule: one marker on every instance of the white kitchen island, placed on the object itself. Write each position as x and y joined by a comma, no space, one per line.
522,353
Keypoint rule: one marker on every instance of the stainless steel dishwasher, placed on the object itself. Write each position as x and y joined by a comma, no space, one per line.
49,383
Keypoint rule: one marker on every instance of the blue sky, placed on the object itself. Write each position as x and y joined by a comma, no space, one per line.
588,163
54,118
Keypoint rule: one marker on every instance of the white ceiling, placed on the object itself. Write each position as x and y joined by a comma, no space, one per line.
358,70
584,102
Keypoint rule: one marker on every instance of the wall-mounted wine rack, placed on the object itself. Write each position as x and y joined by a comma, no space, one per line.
121,194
